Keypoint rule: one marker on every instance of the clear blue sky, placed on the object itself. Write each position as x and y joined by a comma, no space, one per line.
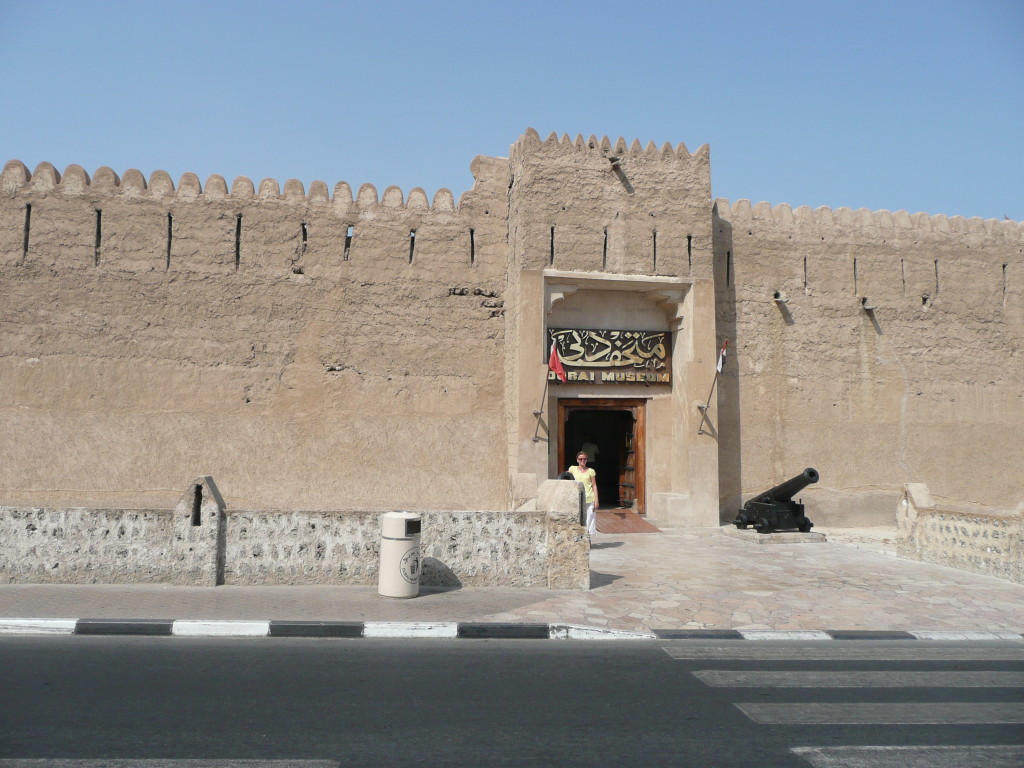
898,105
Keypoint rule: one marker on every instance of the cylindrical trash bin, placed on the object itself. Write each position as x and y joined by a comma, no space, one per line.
399,555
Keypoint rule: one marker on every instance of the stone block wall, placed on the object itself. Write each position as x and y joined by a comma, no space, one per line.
84,546
201,543
278,547
986,542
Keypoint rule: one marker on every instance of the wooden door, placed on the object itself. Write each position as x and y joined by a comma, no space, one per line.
631,476
627,465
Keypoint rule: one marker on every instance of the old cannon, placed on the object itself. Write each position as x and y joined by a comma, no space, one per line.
775,510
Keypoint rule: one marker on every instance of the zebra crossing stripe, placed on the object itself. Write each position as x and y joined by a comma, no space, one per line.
859,679
844,652
981,756
916,713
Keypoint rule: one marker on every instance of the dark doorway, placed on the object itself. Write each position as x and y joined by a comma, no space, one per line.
614,428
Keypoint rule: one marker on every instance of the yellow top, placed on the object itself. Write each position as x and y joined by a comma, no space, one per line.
587,478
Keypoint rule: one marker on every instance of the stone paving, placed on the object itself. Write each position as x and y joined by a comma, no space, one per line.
725,579
676,579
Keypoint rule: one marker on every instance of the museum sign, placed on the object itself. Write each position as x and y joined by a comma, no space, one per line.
600,356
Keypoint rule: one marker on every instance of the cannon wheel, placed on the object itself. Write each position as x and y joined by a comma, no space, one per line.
762,525
741,522
804,525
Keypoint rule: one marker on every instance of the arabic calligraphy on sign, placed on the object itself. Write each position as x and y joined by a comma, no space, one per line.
594,349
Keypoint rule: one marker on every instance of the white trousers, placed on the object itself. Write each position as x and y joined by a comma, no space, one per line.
591,520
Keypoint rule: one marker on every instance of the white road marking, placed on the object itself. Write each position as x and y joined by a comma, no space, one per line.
917,713
577,632
950,635
859,679
982,756
201,628
913,651
442,629
37,626
71,762
788,634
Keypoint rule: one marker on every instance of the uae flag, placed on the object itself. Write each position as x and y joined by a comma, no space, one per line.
555,364
721,356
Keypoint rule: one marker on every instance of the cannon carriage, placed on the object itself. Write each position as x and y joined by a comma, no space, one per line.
775,510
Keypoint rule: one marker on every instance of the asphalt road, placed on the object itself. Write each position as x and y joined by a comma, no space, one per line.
509,703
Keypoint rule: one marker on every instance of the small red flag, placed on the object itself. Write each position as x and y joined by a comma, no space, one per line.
555,364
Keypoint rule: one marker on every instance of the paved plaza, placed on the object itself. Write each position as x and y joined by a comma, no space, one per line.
674,579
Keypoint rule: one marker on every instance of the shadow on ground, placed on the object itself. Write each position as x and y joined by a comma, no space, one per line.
602,579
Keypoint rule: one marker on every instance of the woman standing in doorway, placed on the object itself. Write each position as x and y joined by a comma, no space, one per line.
584,474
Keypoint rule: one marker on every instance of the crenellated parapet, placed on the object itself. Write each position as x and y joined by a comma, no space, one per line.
131,222
16,178
889,262
785,216
606,205
620,148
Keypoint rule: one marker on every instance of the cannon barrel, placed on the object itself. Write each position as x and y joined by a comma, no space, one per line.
785,491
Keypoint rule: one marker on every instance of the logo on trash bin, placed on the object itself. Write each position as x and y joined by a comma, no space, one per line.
410,565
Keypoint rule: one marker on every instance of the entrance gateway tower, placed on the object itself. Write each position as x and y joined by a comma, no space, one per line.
611,262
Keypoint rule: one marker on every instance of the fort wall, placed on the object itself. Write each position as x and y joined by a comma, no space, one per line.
272,338
340,348
877,347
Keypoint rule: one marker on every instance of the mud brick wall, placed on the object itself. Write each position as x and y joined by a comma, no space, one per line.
330,348
877,347
311,350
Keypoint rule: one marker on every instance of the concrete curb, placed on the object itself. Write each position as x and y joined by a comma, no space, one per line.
463,630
